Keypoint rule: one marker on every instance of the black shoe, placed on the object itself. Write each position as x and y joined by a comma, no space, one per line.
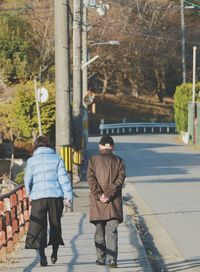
99,262
54,253
43,261
53,258
112,264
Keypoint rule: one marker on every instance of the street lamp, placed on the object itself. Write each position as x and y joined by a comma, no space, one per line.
105,43
84,64
90,61
183,38
101,9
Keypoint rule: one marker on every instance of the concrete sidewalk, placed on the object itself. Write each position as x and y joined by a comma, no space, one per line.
78,254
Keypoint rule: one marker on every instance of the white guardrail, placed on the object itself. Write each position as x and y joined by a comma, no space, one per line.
131,128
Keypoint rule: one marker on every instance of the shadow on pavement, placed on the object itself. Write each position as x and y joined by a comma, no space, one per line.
184,265
70,266
33,264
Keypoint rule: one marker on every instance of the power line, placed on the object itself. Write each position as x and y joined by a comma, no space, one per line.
150,35
142,7
152,49
163,38
173,8
25,9
39,18
38,13
36,18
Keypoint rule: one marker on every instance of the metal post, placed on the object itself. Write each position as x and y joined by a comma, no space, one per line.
183,41
62,74
194,73
37,107
193,96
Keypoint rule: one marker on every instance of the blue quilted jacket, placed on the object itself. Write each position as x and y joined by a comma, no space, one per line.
46,176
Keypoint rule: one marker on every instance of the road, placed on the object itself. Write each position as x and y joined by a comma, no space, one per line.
163,176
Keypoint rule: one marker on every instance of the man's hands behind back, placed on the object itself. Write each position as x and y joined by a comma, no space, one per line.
104,198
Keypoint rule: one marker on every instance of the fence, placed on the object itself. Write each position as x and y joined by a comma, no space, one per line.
131,128
14,218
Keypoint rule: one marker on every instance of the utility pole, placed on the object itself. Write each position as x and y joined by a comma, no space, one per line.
84,72
77,91
183,41
62,74
77,75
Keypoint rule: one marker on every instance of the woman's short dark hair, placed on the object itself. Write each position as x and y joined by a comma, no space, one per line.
42,141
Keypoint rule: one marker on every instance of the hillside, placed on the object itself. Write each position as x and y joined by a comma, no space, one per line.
146,61
113,109
143,109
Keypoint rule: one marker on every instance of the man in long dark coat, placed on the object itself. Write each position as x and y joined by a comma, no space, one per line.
106,175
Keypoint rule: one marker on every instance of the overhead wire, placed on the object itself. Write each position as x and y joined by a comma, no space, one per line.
165,38
23,8
39,18
172,8
51,9
25,11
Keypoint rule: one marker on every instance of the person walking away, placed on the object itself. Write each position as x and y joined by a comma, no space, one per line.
105,176
48,186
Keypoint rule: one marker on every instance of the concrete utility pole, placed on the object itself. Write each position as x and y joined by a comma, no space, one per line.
77,91
62,74
84,72
183,41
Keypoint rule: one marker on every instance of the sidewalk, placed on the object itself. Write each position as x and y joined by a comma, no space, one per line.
78,254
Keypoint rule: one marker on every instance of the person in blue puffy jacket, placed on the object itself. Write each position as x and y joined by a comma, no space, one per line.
47,185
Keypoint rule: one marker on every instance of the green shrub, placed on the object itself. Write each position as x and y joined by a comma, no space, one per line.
20,115
182,96
20,177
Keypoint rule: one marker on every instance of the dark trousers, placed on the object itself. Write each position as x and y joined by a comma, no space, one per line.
37,232
109,247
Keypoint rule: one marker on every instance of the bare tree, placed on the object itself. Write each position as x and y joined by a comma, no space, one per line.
40,16
150,47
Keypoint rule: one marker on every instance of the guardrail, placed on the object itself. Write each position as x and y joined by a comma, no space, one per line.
134,128
14,218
